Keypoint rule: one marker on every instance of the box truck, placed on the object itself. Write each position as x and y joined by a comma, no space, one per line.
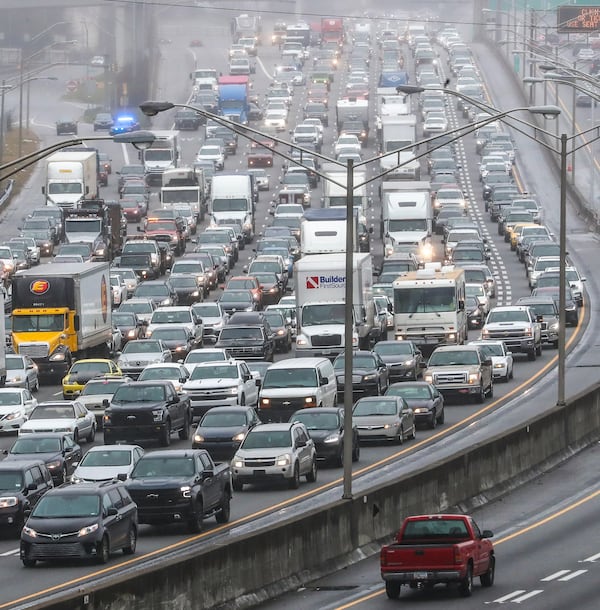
320,288
161,155
71,177
61,312
399,132
334,187
183,185
232,199
323,230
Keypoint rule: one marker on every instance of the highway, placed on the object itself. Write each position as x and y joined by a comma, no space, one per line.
177,59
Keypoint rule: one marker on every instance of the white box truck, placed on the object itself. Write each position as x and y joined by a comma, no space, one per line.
397,132
183,185
320,288
71,177
334,188
323,230
407,217
161,155
231,199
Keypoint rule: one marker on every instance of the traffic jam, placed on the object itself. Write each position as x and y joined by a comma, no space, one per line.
206,306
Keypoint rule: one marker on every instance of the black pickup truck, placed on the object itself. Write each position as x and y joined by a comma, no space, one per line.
148,410
181,486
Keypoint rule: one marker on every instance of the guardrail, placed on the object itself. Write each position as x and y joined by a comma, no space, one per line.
269,557
6,193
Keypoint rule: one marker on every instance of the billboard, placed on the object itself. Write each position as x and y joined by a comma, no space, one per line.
572,19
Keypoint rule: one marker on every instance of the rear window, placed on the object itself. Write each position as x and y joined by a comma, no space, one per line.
437,529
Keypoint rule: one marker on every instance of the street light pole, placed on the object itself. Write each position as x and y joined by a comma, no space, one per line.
348,330
562,272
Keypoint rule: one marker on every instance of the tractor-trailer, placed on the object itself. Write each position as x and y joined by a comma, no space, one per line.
233,98
71,177
320,288
323,230
61,312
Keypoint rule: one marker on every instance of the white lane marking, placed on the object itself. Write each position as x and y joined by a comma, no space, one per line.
590,559
125,153
508,597
572,575
262,67
529,595
9,553
555,575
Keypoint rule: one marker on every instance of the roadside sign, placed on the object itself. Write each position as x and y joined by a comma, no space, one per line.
72,86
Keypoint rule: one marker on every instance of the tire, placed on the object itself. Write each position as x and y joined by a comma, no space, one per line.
129,549
92,435
237,485
294,482
103,550
480,396
465,587
413,432
339,459
165,437
378,389
36,387
400,437
76,436
224,513
184,433
311,475
487,579
64,476
442,417
392,589
491,390
27,562
356,452
196,521
531,356
432,422
538,349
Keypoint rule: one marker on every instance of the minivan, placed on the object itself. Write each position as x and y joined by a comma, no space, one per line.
296,383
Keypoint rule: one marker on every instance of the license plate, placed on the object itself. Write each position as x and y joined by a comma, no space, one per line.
259,472
420,575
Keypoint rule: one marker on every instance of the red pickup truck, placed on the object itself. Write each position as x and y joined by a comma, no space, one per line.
431,549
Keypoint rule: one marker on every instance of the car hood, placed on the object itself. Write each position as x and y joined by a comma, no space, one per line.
201,384
396,358
48,424
60,525
46,457
407,237
266,452
141,406
101,473
512,326
320,434
158,483
357,371
81,378
94,399
374,420
142,358
225,432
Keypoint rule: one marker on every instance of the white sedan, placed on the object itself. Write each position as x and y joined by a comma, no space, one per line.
21,372
502,359
119,290
16,404
107,462
62,416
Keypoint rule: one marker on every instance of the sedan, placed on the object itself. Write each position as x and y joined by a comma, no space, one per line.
237,300
21,372
403,359
82,371
129,324
426,402
16,404
107,462
369,373
386,418
66,416
325,426
176,338
57,450
66,127
222,430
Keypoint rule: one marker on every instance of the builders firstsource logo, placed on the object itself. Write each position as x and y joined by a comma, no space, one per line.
325,281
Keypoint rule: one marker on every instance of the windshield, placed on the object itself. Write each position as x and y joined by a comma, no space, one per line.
105,386
392,349
160,372
25,446
245,332
158,154
192,268
264,439
325,313
67,506
171,334
161,225
199,356
491,349
415,224
208,310
230,205
224,371
10,481
424,300
510,315
13,363
89,367
236,296
358,361
149,290
41,323
164,467
142,347
149,393
453,357
83,226
180,196
184,282
375,407
123,319
318,421
171,317
52,412
290,378
139,307
65,188
106,458
140,246
410,391
223,420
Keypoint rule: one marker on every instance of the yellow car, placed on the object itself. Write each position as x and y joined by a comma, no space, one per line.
82,371
516,231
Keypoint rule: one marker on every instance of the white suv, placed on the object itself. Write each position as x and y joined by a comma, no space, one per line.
275,452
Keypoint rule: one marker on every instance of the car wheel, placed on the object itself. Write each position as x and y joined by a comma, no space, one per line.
103,550
356,452
511,375
413,432
531,355
432,422
184,433
92,435
129,549
197,519
243,400
165,437
442,416
487,579
400,437
224,513
28,562
538,349
378,389
76,435
237,485
466,584
392,589
295,480
480,396
311,476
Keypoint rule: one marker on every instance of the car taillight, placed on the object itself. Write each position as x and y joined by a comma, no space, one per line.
457,556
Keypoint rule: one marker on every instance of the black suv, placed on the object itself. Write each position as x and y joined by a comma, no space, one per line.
80,521
247,342
22,484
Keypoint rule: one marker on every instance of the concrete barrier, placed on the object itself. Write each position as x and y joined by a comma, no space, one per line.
238,572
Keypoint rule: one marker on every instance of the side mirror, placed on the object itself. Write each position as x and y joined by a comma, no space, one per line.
122,476
31,487
112,512
487,534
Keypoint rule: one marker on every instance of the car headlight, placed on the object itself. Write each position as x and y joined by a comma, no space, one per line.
239,437
370,377
198,438
14,415
157,415
428,377
233,391
554,327
131,333
237,463
87,530
29,532
8,501
58,357
332,438
473,378
76,479
283,460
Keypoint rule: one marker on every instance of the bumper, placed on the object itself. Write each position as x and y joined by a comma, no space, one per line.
12,425
522,346
71,391
378,434
327,451
319,352
424,576
459,391
200,407
58,550
268,473
47,368
10,517
173,513
133,433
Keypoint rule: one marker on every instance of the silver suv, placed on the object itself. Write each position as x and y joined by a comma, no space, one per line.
272,452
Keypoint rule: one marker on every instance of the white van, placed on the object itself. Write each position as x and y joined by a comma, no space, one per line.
296,383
